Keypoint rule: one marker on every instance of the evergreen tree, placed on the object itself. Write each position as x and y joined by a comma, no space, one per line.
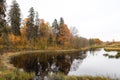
37,21
14,18
61,21
2,16
55,30
3,27
31,17
37,24
55,25
30,24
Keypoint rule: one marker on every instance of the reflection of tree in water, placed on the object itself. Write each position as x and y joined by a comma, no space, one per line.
92,50
76,62
48,63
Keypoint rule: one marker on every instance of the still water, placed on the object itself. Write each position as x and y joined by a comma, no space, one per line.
95,63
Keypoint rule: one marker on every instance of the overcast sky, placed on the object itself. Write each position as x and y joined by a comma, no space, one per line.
93,18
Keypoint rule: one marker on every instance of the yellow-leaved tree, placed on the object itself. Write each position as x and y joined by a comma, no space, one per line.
44,34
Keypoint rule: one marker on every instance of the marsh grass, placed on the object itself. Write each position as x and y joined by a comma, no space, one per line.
16,75
61,76
112,49
113,56
117,55
2,67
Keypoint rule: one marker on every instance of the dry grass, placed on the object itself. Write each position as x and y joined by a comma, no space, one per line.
112,49
17,75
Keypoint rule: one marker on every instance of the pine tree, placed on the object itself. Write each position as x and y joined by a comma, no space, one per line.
55,31
2,17
14,18
30,24
37,24
31,17
55,24
61,21
3,27
37,21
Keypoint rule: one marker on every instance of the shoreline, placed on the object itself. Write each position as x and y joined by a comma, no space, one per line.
111,49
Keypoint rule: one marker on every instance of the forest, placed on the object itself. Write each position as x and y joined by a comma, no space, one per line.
35,33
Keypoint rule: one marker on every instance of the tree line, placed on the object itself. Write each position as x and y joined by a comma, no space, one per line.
33,32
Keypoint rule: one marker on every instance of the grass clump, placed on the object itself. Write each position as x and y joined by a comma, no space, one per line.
113,56
17,75
60,76
117,55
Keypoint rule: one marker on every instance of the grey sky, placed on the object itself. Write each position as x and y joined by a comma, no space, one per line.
93,18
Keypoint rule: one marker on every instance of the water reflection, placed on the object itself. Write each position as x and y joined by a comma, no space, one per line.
75,66
96,63
93,50
77,63
49,63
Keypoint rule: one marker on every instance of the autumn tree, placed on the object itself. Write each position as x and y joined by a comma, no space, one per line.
91,42
14,18
83,42
44,33
44,29
64,33
23,30
73,36
95,41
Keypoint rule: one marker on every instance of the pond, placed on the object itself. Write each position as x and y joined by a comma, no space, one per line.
55,61
94,62
97,63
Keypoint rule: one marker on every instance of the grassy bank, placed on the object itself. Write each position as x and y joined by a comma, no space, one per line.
64,77
18,75
112,48
113,56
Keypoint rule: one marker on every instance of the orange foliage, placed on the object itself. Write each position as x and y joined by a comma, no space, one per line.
44,29
64,36
14,39
97,41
